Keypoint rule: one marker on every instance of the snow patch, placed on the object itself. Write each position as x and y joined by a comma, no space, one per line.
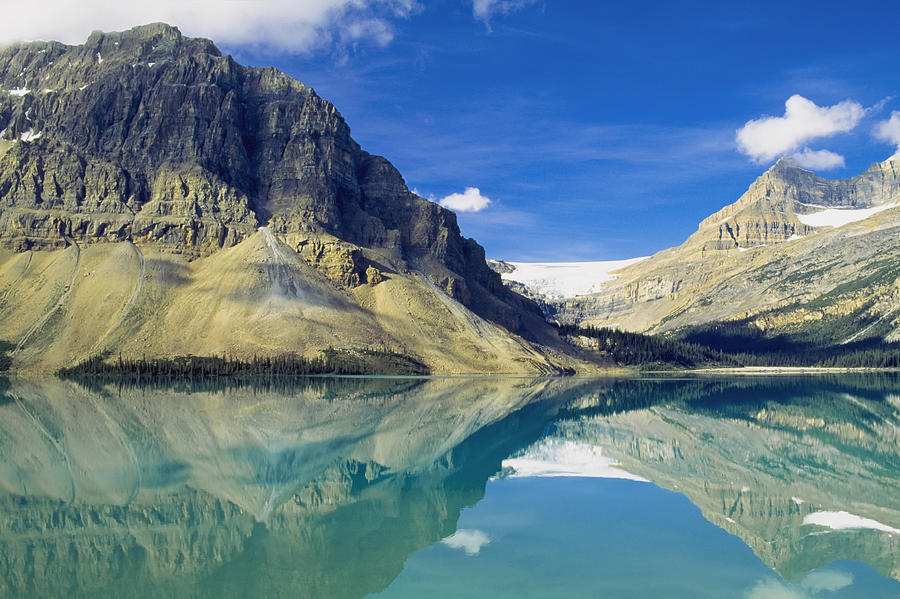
838,217
846,521
470,541
566,458
150,64
19,91
798,501
82,88
99,58
30,135
559,280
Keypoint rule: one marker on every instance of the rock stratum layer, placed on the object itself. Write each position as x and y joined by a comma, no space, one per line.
772,262
157,198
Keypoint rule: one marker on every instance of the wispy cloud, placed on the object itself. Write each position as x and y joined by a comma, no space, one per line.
819,160
280,26
470,541
470,200
889,131
483,10
769,137
812,587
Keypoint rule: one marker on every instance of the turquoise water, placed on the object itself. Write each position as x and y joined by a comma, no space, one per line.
742,487
576,537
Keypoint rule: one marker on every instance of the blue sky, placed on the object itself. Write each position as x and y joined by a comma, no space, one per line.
597,130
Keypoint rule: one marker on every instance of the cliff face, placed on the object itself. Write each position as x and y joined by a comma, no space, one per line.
155,140
795,253
768,211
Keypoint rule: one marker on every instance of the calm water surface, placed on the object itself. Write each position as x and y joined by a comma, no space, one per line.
347,488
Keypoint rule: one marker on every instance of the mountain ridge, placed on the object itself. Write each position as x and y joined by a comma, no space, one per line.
152,150
758,263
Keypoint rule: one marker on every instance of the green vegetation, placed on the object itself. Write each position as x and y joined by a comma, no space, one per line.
5,365
331,361
635,349
327,387
5,359
740,343
746,344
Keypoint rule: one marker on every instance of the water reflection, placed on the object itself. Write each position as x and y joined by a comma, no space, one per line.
325,489
323,492
782,463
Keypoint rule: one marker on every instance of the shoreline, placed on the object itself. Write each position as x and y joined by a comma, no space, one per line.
769,370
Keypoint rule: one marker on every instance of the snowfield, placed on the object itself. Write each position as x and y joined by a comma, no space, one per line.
558,280
566,458
838,217
846,521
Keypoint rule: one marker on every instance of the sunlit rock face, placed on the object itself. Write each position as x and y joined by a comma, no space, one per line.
140,168
795,254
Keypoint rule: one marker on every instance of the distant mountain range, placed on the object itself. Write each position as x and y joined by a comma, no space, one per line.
159,199
798,261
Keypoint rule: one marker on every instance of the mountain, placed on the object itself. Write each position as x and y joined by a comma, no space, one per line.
807,258
157,199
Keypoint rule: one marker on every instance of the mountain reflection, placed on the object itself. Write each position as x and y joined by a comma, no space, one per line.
325,488
759,457
322,492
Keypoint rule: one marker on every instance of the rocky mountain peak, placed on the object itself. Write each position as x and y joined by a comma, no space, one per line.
783,164
150,138
768,211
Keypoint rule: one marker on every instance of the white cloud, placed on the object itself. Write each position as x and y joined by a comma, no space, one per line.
812,587
483,10
377,30
818,159
470,541
827,580
773,589
266,25
470,200
769,137
889,131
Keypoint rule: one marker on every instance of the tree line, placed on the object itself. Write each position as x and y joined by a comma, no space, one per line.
190,367
733,344
636,349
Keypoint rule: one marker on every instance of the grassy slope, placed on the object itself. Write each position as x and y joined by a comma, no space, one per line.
64,306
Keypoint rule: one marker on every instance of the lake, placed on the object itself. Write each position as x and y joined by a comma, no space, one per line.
756,487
